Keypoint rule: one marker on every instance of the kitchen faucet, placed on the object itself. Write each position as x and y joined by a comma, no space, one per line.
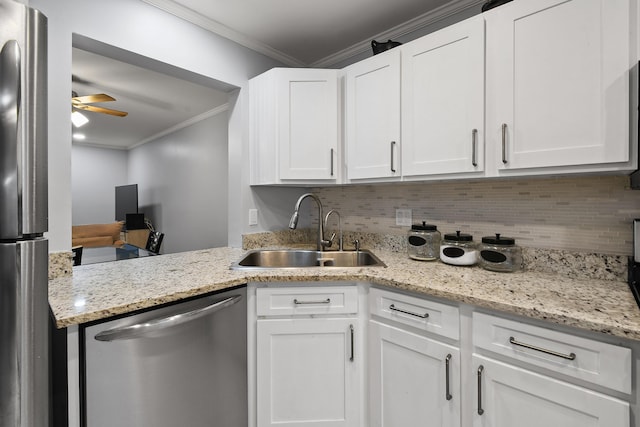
340,239
321,243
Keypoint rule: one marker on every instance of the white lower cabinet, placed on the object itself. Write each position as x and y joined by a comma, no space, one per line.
414,361
307,366
413,380
546,377
511,396
427,363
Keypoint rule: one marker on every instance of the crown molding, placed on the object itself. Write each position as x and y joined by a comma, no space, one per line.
98,145
189,122
201,21
450,9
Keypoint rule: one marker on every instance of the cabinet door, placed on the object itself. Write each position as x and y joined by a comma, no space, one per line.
373,117
307,130
307,373
443,101
558,83
409,375
512,396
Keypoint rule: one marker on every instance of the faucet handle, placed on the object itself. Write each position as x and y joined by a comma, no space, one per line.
356,243
330,241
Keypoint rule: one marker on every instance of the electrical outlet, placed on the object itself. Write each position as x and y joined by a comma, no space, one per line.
403,217
253,216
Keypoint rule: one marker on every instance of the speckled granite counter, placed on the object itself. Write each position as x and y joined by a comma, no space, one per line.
99,291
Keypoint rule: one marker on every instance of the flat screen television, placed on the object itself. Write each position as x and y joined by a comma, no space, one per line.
126,201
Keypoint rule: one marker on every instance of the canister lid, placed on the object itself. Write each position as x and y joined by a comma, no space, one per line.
424,227
458,237
499,240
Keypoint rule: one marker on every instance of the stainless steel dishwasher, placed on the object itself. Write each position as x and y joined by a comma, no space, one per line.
180,365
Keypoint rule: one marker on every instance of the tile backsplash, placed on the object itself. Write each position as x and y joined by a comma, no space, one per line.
586,214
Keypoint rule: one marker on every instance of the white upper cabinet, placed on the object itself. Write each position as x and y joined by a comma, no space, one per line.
372,117
294,126
528,88
558,91
443,101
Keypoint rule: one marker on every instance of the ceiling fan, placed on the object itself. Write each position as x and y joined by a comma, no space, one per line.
82,103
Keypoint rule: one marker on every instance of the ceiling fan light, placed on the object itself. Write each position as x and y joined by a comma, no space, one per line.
78,119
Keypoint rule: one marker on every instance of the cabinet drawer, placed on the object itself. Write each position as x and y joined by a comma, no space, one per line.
586,359
440,319
307,300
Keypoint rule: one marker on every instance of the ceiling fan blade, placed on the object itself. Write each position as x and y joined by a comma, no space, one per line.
90,99
103,110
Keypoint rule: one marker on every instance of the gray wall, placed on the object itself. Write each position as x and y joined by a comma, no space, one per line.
180,44
182,185
94,174
149,32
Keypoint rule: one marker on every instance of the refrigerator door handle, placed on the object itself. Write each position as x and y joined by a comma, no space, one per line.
10,58
155,325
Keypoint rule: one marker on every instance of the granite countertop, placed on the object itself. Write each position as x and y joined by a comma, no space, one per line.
98,291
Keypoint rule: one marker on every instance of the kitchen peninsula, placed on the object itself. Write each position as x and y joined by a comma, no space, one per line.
96,292
596,316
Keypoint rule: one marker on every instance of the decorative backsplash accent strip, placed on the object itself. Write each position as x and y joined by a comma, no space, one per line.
580,214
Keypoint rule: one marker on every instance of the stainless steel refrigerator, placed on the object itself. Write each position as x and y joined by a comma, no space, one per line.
24,308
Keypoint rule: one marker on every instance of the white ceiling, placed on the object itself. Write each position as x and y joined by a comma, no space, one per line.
294,32
156,102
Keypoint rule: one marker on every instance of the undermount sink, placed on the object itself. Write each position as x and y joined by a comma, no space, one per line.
268,259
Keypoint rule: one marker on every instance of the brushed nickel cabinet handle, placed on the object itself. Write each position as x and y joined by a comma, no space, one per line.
352,332
474,147
392,307
393,144
447,361
570,356
298,302
504,143
480,370
332,162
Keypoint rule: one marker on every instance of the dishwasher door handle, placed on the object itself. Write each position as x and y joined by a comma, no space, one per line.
150,326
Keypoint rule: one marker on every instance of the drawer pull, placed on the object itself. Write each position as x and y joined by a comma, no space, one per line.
570,356
447,362
392,307
326,301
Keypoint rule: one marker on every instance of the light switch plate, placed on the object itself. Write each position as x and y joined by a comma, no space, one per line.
403,217
253,216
